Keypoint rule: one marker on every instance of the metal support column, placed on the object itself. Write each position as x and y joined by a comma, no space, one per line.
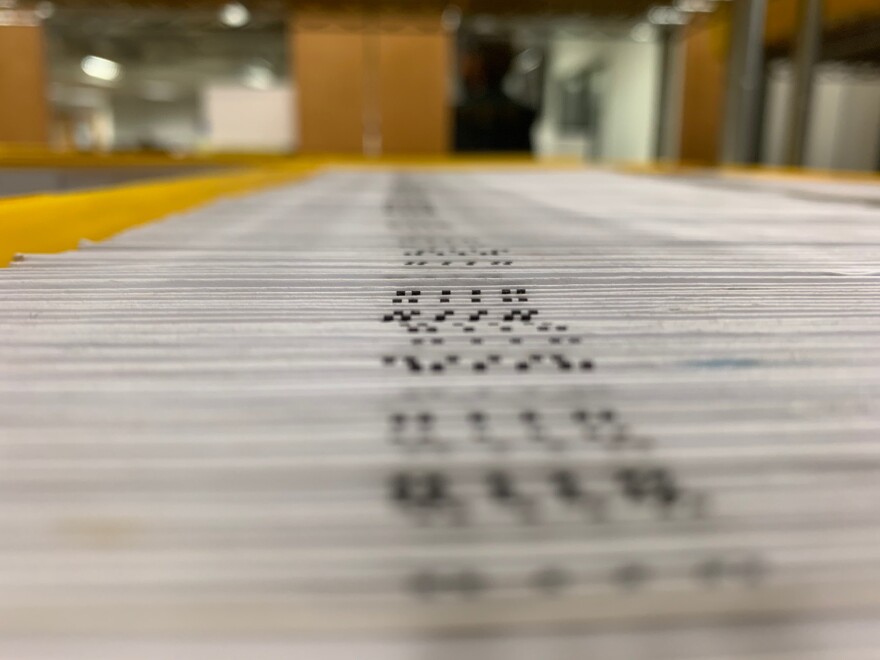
806,55
664,94
745,67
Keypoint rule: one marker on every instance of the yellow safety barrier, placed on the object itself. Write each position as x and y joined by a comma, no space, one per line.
58,222
29,156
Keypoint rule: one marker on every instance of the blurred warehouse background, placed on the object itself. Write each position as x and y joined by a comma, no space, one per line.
320,388
776,82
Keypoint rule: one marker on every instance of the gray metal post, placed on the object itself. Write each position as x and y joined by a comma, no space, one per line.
745,68
806,54
665,77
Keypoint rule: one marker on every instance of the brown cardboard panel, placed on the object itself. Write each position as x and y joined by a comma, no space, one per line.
24,111
703,93
413,86
329,70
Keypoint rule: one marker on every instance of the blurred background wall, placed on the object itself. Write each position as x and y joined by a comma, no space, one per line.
844,129
620,77
698,81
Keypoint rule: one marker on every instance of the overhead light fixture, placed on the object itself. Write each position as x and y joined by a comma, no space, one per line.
100,68
529,60
234,14
695,6
641,33
44,10
665,15
258,76
451,18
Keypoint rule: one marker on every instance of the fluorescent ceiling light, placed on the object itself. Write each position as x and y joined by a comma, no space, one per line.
695,6
100,68
234,14
529,60
44,10
451,18
663,15
641,33
258,76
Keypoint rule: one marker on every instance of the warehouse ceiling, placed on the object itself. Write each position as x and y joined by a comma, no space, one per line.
169,49
165,54
606,8
185,45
